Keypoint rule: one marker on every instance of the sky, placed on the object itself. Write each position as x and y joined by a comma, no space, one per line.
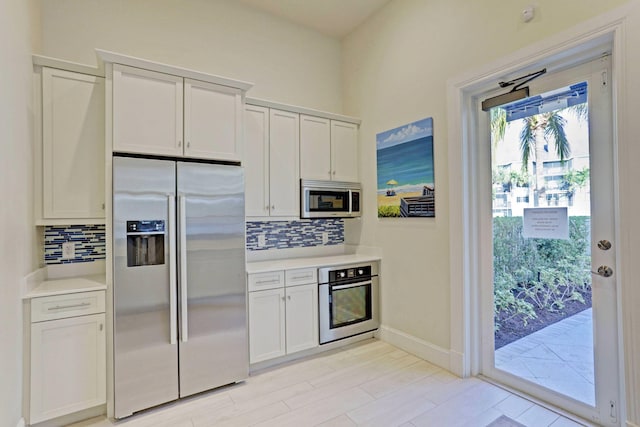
419,129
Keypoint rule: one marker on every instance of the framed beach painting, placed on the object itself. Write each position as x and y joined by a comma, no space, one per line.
406,185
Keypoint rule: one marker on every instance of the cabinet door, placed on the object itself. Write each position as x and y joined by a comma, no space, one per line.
72,145
302,317
68,366
344,151
266,325
315,145
284,180
256,161
147,112
212,121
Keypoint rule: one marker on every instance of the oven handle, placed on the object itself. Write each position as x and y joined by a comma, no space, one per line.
350,285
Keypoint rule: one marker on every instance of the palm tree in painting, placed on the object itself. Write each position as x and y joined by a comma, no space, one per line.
538,131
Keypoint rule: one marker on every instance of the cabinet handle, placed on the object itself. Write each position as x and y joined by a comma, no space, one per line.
101,326
282,298
266,282
308,276
273,207
188,144
103,206
289,297
179,143
62,307
334,172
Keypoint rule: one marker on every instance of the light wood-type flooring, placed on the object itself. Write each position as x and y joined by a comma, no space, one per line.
370,383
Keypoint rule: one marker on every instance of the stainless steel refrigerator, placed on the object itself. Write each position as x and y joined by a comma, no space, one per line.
180,319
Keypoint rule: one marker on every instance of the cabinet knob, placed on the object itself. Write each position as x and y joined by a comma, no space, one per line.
273,207
282,298
289,297
334,172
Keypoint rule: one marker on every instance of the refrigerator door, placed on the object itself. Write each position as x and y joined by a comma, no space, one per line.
145,360
213,316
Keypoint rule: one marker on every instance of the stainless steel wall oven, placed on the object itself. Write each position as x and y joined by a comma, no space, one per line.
348,301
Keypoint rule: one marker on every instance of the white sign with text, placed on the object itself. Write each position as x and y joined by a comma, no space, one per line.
546,223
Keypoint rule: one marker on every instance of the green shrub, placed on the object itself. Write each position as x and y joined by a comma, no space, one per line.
388,211
538,273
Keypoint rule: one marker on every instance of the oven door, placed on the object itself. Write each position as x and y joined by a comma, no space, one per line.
348,309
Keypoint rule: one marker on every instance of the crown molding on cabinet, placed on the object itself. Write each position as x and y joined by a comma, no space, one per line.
46,61
302,110
117,58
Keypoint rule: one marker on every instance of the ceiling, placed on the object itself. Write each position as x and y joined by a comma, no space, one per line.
334,18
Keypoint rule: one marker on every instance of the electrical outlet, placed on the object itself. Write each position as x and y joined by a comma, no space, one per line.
325,237
262,241
68,250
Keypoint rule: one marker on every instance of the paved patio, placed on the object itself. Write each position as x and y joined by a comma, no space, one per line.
559,357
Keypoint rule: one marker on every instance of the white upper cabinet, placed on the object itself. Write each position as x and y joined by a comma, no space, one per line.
70,183
328,149
315,148
271,163
147,112
344,151
256,161
212,121
164,114
284,174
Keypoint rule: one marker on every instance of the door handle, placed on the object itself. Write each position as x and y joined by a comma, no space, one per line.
173,286
184,320
604,271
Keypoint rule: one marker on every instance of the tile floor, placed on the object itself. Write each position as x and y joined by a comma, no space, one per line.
559,357
370,383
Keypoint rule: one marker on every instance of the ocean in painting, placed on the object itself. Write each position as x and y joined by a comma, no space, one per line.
409,163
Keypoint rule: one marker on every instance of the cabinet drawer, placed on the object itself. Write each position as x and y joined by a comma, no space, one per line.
271,280
68,305
301,276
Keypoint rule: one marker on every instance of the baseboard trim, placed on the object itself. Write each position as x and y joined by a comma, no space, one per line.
431,353
21,423
630,424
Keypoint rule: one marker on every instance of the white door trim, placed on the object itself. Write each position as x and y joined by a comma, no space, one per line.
570,47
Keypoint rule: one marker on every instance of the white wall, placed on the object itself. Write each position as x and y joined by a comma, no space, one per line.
287,63
16,219
396,68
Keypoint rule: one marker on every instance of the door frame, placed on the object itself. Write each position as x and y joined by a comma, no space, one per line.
582,43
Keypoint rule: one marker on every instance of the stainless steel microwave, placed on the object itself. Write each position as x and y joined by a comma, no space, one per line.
329,199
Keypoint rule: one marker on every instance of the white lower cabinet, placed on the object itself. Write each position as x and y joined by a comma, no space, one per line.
283,320
68,358
302,317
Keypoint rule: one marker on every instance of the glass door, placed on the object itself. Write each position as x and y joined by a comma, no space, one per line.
551,295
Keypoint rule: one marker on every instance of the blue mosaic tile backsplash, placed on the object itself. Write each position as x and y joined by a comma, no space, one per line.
89,243
90,239
294,234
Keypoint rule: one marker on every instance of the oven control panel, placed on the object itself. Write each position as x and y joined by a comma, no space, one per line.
357,273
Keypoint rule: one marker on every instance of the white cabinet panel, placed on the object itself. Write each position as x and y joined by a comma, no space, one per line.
328,149
302,317
344,151
68,366
266,324
256,161
147,112
263,281
72,145
315,148
284,175
213,121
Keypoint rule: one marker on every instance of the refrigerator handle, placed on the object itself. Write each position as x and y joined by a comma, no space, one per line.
173,277
182,223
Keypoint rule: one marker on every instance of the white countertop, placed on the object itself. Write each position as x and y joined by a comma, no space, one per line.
320,261
68,285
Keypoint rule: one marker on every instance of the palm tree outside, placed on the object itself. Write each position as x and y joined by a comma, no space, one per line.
538,132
